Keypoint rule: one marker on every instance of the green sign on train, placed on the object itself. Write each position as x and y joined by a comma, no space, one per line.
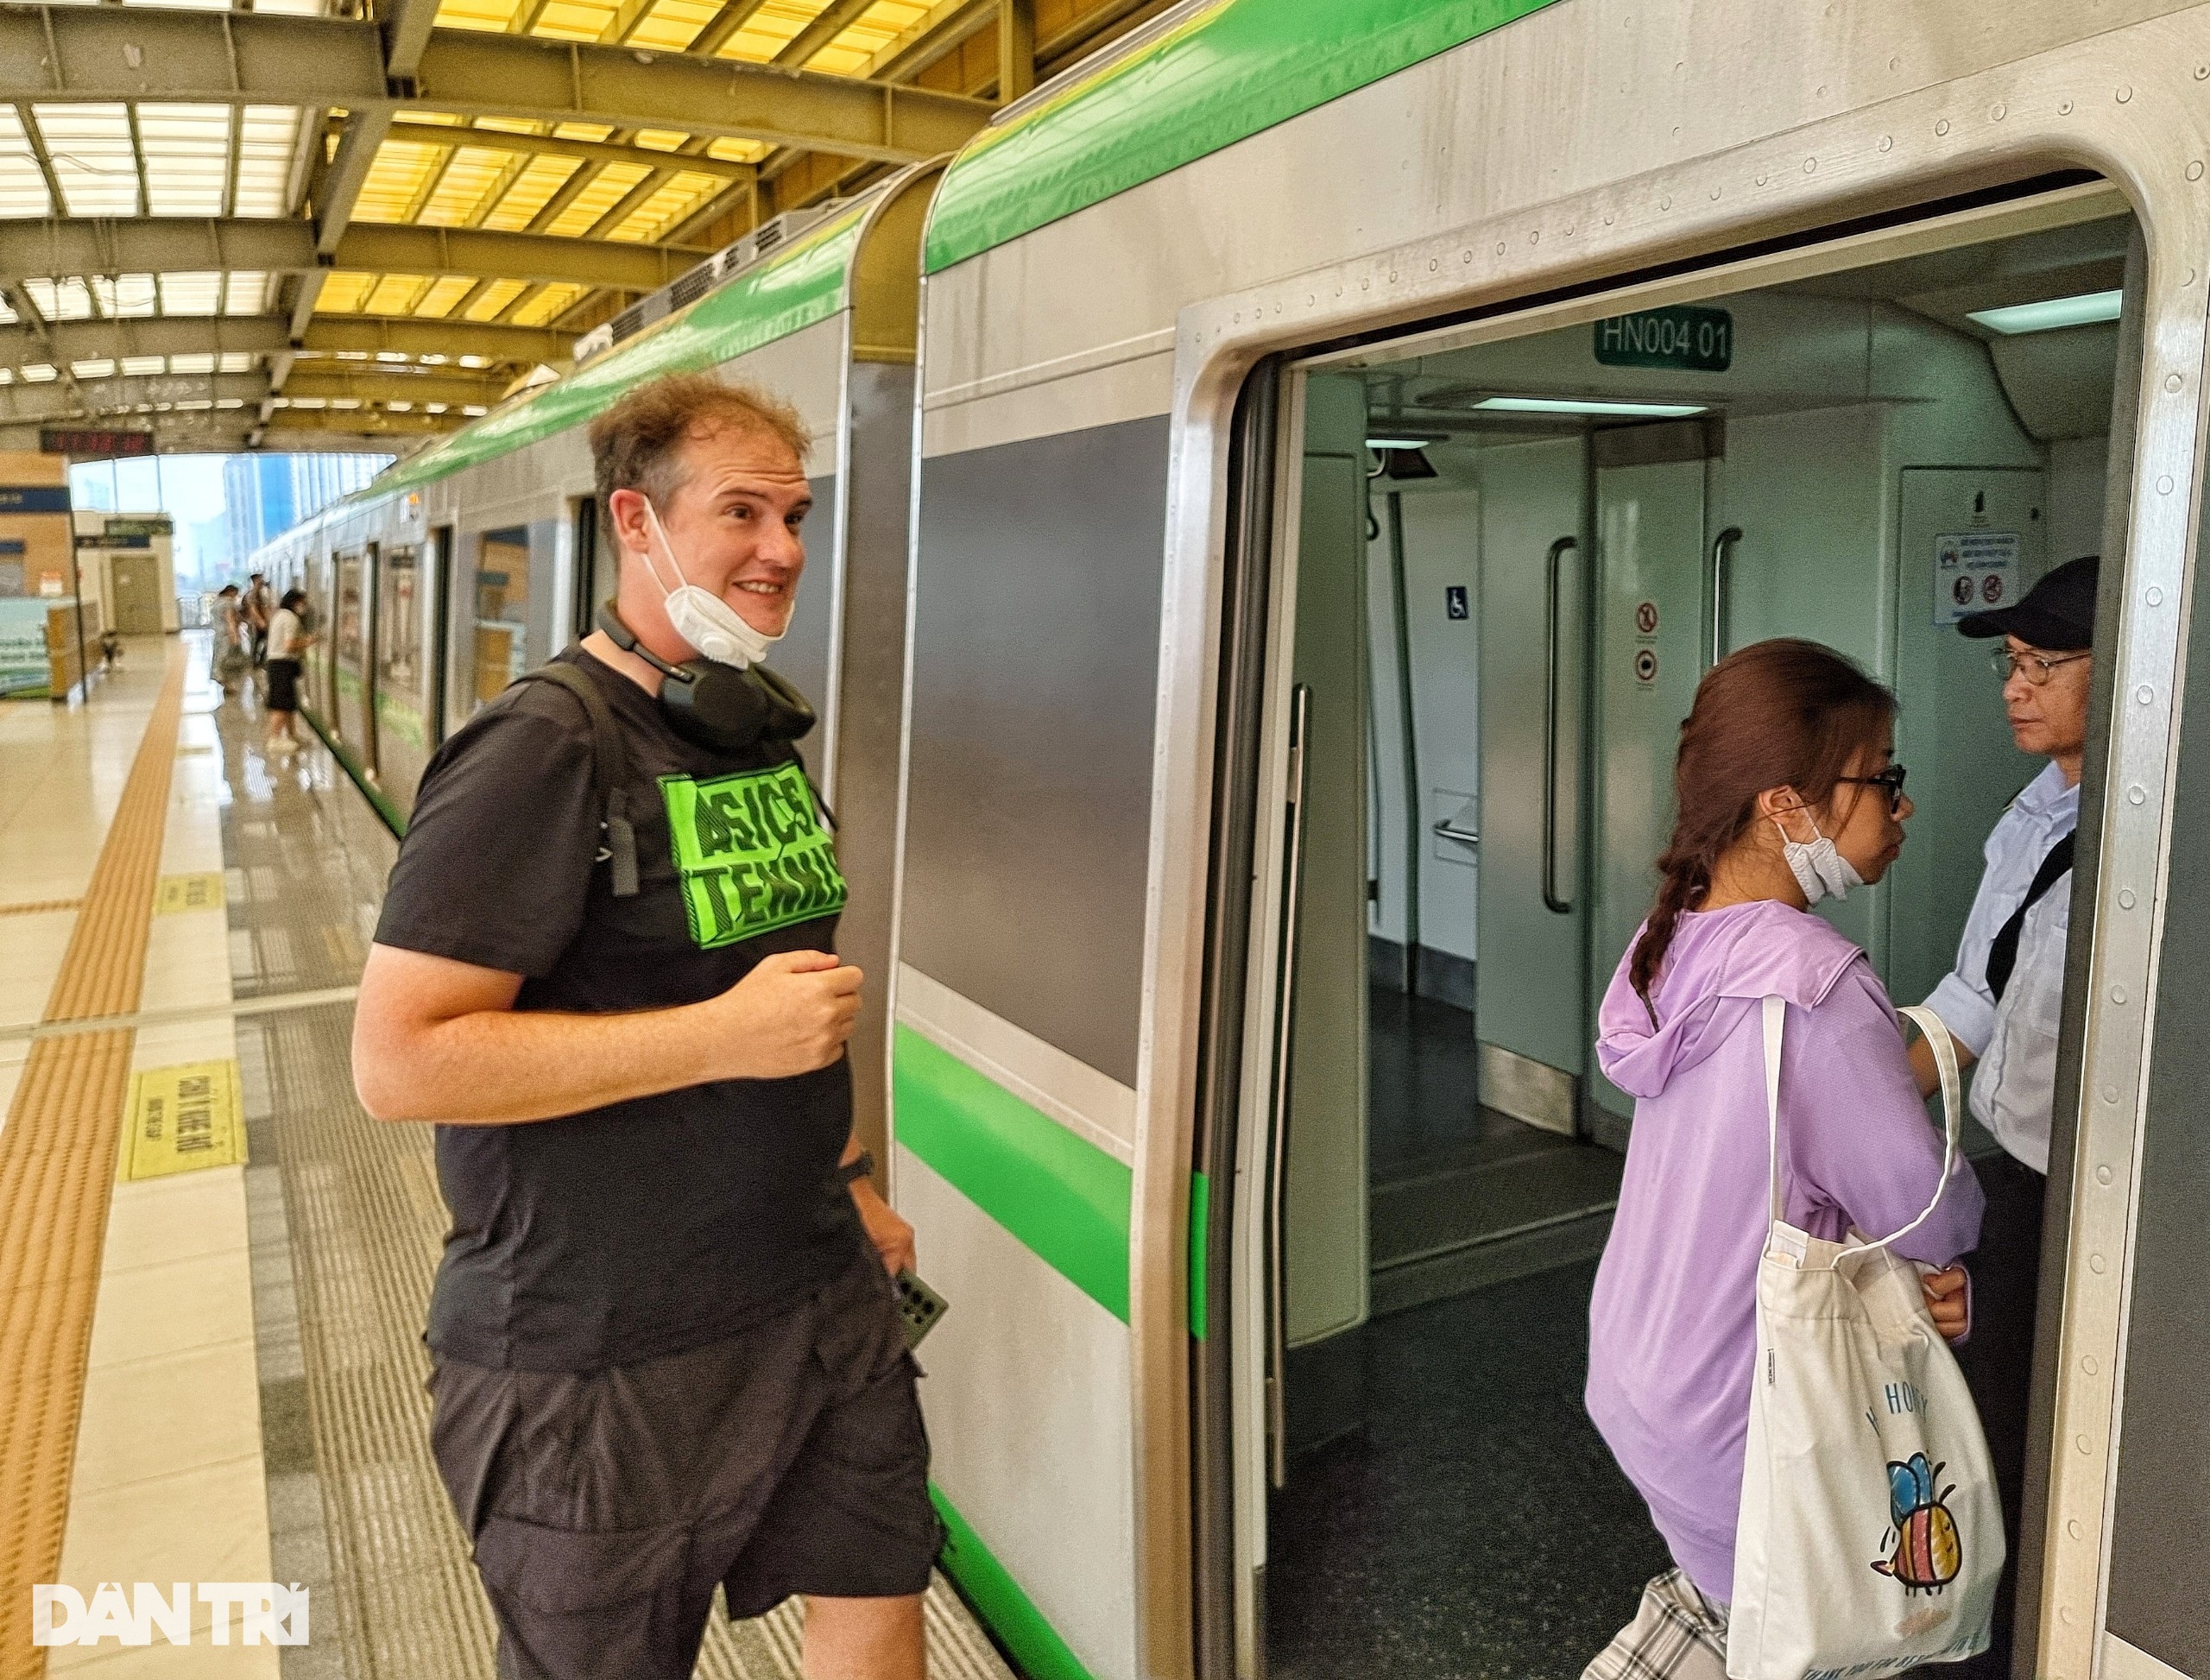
1699,340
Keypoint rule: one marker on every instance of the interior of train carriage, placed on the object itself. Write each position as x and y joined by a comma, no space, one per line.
1514,562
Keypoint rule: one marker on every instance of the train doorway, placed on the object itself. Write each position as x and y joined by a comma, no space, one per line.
1504,568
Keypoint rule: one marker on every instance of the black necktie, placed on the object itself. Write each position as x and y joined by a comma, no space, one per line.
2003,955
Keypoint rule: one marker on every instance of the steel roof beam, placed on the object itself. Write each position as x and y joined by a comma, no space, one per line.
182,335
113,399
832,21
450,386
172,244
129,54
433,337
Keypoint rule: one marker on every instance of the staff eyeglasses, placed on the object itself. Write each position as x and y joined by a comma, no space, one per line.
1892,779
2034,667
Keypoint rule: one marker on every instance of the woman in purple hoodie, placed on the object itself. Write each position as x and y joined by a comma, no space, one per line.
1786,795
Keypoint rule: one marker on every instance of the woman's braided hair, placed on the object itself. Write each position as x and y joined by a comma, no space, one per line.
1778,714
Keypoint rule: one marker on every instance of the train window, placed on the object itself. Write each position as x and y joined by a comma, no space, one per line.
502,610
403,699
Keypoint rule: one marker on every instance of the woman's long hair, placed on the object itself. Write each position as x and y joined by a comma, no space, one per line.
1780,713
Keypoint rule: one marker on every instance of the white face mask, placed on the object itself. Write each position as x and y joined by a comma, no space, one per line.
1819,868
702,618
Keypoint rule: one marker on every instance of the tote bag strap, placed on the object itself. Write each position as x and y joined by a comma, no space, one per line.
1945,1059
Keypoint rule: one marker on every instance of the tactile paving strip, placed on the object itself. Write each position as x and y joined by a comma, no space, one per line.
57,1169
366,1224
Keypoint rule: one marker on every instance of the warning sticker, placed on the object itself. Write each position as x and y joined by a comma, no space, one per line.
1974,572
1646,666
193,892
181,1119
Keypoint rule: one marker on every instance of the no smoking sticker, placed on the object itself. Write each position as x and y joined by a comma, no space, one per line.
1645,617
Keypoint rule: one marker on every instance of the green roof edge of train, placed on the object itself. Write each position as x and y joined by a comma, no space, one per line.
1229,70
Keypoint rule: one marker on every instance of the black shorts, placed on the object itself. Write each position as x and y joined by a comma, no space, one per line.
283,684
605,1506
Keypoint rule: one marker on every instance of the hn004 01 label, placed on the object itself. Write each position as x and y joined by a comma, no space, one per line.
751,854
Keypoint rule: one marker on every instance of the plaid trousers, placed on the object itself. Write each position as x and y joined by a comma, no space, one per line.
1677,1634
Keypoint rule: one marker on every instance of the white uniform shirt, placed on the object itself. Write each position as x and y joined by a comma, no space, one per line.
284,636
2014,1086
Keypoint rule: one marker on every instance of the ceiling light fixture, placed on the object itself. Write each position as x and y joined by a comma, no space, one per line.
2050,314
1382,445
1545,405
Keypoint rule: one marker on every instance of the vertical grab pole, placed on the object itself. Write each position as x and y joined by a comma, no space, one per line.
1722,551
1400,606
1300,721
1559,549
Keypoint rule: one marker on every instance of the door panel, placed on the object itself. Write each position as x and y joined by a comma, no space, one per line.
1650,649
1530,974
1952,730
1327,1258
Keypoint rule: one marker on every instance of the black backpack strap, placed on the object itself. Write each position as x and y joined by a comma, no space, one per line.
609,774
2002,953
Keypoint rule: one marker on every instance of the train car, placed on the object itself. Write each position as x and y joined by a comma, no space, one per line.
1346,434
480,557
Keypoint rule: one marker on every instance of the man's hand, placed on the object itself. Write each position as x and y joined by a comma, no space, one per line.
892,1237
1946,1299
791,1014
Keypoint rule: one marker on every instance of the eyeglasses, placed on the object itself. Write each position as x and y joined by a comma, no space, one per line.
1892,779
2034,667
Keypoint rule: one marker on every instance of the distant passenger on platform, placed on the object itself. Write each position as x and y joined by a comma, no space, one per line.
665,1353
1786,794
258,613
2002,1004
230,658
288,638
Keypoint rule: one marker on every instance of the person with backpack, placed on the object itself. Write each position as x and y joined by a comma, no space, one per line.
666,1354
1786,796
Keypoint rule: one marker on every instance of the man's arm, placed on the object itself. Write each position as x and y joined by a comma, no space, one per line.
441,1041
1927,1071
887,1229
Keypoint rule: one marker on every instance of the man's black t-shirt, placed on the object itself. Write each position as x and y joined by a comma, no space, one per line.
657,1225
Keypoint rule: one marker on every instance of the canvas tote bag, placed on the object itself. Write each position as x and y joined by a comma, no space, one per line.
1871,1538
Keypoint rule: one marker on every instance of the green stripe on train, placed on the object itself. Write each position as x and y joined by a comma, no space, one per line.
1200,1220
1035,1645
1226,73
802,284
1066,1199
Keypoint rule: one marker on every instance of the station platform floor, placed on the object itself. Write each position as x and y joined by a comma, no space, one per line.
214,1265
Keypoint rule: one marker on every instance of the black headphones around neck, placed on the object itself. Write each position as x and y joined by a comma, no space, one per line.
724,708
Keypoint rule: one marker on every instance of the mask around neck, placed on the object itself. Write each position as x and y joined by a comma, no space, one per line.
1820,869
709,624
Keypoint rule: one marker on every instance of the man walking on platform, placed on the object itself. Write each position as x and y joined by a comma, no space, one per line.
665,1352
2002,1003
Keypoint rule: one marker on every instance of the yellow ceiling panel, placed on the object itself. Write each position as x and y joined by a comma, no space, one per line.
850,53
540,178
770,29
495,297
447,290
474,174
549,302
661,140
731,150
672,24
396,295
591,204
679,199
397,179
342,293
477,14
583,130
565,20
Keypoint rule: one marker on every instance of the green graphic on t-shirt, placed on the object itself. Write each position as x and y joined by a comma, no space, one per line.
751,853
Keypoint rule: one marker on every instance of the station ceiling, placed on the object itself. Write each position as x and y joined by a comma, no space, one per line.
299,224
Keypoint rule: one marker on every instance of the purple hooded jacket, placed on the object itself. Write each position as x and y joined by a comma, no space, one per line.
1673,1322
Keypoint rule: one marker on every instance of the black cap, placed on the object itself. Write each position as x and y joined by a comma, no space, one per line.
2058,613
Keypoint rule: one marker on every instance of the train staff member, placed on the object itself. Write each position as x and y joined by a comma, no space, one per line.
2002,1002
664,1352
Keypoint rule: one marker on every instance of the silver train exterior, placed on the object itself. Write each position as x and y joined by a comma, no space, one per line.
1131,281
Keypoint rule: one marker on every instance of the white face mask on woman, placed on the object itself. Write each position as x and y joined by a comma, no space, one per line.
1820,869
702,618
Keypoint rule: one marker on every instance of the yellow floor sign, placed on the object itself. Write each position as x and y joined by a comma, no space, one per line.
182,1118
193,892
